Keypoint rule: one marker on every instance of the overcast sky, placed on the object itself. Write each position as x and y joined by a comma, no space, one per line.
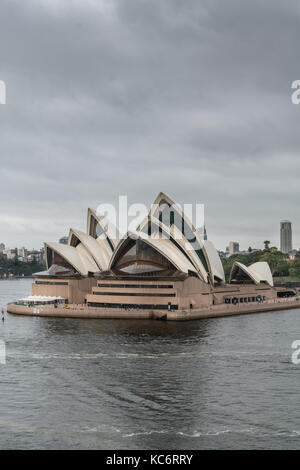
133,97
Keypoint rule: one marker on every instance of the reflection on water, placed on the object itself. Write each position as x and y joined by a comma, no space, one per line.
218,383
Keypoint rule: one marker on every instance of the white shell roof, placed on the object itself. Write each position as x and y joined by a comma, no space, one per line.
174,233
258,272
110,230
164,246
210,253
163,197
77,257
262,271
96,248
215,263
92,255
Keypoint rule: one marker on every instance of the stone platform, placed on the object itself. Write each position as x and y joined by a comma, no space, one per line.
82,311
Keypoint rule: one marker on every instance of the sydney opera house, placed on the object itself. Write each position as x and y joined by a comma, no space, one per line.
164,267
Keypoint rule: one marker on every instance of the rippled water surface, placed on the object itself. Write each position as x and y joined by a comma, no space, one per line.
225,383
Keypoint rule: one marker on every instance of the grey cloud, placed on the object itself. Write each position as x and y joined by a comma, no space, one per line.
134,97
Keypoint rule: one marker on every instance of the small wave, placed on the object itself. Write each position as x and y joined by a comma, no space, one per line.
66,356
216,433
100,428
145,433
128,355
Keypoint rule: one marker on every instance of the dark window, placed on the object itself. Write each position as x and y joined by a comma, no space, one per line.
96,230
138,306
240,277
137,257
138,286
137,294
285,294
169,216
75,241
52,283
54,258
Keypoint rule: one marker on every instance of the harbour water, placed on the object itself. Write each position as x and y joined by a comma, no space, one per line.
224,383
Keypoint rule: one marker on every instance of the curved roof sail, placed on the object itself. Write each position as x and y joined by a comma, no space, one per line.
203,254
68,256
257,273
101,228
163,246
156,229
171,215
215,264
165,240
96,248
263,272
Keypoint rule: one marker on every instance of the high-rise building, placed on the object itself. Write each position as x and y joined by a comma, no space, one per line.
286,236
234,247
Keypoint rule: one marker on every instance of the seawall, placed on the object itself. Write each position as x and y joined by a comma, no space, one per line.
82,311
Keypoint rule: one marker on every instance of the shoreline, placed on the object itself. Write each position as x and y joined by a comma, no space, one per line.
82,311
16,278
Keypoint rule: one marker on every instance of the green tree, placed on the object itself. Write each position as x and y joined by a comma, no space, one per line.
294,270
273,257
19,268
282,268
246,259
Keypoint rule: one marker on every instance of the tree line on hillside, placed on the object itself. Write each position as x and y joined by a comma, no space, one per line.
279,266
19,268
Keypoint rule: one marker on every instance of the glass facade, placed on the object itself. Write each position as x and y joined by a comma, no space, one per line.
169,216
96,230
138,257
240,277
